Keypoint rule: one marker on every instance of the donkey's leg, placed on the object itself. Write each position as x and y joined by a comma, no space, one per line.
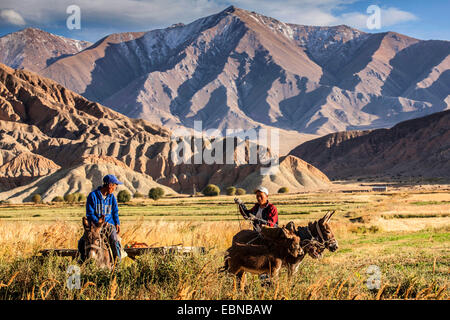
275,270
243,279
293,267
81,249
266,278
237,278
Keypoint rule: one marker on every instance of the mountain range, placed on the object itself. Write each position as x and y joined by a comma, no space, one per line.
417,148
348,104
54,141
239,70
35,49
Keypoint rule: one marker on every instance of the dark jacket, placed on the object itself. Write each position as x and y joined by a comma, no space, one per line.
96,207
269,213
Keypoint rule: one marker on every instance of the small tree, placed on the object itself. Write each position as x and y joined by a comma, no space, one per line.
123,196
79,197
138,195
36,198
156,193
75,196
69,198
231,191
211,190
240,191
58,199
283,190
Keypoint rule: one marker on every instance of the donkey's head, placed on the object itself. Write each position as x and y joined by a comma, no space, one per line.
293,242
96,247
322,230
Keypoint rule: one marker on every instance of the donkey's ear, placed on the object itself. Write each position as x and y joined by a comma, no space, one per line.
330,215
325,218
291,227
85,223
286,233
101,221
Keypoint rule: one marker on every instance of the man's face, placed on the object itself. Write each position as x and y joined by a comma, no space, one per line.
261,197
111,188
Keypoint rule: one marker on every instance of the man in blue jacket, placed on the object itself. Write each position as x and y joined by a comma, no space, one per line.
102,202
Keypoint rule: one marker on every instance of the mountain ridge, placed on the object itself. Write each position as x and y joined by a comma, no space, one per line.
53,140
415,148
241,70
34,49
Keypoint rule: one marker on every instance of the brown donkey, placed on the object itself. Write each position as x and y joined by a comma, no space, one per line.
315,237
96,244
262,259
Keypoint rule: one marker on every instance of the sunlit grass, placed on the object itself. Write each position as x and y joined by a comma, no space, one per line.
412,255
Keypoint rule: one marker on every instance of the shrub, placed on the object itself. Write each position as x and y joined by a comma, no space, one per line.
231,191
58,199
240,191
156,193
79,197
211,190
364,229
69,198
36,198
138,195
123,196
283,190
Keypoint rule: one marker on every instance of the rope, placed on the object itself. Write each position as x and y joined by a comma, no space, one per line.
105,233
239,217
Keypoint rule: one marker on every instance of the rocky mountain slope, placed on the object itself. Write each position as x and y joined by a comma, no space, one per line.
34,49
239,69
54,141
414,148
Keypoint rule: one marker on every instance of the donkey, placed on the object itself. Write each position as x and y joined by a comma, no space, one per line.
314,239
96,244
262,259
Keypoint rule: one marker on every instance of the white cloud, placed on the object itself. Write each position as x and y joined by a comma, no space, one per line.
9,16
113,13
393,16
144,15
389,17
322,12
308,12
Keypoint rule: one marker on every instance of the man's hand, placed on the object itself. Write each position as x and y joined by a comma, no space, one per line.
237,201
118,228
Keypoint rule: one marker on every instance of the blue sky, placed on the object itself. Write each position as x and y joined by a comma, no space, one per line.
416,18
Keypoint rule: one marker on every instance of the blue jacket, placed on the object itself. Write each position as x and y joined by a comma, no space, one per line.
96,207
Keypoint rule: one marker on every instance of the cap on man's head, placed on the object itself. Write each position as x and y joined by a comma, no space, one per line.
262,189
110,178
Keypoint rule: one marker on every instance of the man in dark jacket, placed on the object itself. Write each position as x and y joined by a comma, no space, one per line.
262,213
102,202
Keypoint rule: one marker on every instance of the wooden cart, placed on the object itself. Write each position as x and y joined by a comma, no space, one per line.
131,252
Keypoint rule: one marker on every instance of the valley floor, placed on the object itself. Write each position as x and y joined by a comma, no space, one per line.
403,233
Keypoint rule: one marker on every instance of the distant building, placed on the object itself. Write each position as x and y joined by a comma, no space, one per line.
379,188
356,191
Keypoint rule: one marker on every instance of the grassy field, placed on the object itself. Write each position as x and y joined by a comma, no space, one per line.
405,233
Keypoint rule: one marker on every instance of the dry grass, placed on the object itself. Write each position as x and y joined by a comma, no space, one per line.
412,253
